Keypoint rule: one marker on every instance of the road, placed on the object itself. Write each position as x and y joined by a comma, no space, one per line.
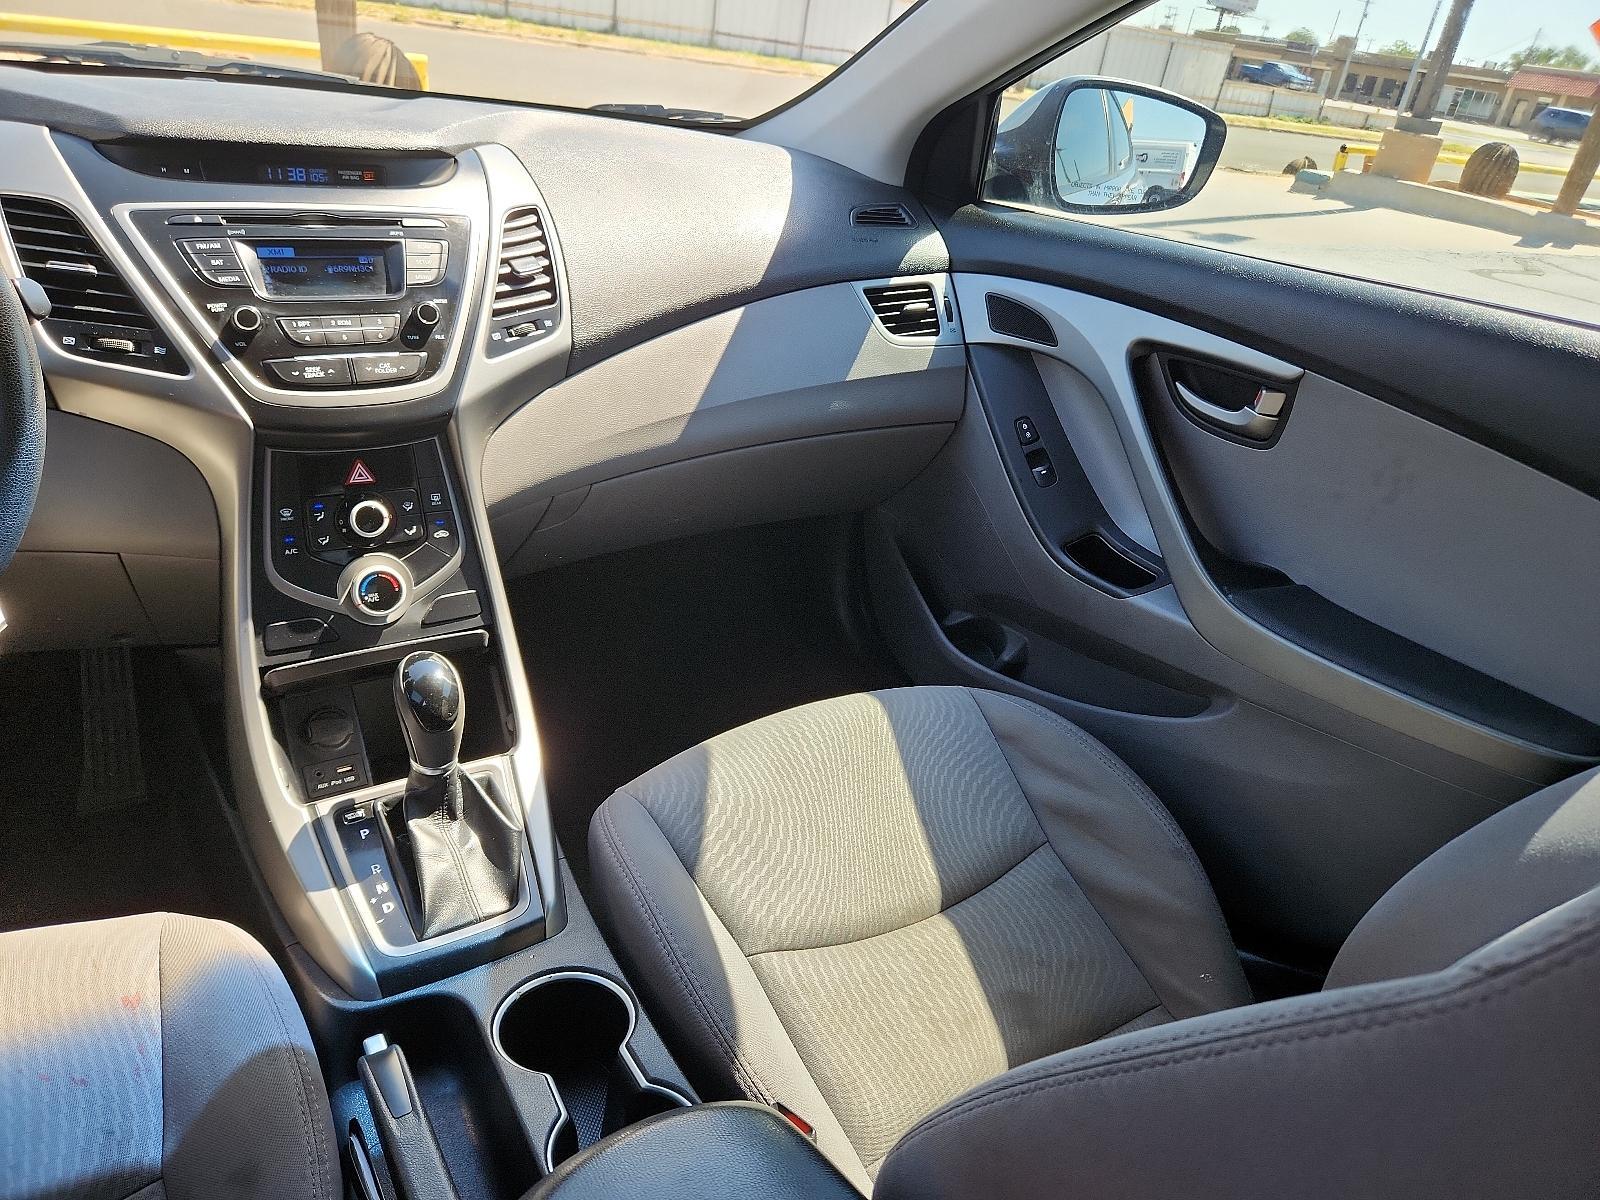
1273,149
1258,215
474,63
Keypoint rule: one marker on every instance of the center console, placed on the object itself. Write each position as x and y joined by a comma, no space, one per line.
331,353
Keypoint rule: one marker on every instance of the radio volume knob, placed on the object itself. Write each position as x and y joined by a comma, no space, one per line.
246,318
426,313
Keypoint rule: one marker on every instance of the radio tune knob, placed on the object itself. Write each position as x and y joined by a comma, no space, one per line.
369,519
246,318
426,313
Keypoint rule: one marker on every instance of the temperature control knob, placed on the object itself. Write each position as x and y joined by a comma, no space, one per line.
246,318
426,313
375,589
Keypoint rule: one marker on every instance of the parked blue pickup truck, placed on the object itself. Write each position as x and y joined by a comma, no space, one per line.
1278,74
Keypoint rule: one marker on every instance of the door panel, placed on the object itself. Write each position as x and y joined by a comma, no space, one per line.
1106,342
1417,529
1357,596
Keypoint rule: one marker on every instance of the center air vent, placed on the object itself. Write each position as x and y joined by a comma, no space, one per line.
525,283
883,214
905,310
93,314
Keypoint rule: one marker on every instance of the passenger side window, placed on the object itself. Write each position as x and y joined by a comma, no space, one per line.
1425,167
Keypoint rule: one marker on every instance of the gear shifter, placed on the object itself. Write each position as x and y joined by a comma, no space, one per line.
456,843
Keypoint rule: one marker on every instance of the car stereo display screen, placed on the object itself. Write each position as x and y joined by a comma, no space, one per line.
346,270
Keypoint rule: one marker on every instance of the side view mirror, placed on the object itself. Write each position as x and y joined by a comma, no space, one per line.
1090,145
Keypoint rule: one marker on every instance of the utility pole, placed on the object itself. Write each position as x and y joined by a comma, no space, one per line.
336,24
1338,87
1444,56
1416,63
1585,162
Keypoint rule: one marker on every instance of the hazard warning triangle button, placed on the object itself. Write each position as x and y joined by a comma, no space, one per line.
359,474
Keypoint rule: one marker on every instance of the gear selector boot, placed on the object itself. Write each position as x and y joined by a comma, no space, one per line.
454,841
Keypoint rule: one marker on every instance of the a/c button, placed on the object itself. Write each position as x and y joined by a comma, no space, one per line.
386,368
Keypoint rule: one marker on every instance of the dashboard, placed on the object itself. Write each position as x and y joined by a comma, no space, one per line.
323,376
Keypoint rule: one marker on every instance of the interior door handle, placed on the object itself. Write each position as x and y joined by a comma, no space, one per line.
1257,420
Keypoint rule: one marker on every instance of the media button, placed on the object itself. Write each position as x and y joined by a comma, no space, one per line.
386,368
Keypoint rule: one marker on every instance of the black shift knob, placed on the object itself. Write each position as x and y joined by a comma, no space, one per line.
427,691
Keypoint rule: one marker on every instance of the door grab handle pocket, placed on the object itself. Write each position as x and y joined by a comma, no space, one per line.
1257,420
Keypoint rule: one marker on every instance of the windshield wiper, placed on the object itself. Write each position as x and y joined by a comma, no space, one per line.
153,58
697,116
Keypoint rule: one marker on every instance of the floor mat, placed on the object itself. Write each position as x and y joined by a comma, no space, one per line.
635,656
167,846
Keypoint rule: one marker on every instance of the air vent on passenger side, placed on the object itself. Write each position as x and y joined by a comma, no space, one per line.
1015,319
905,309
525,282
93,314
883,214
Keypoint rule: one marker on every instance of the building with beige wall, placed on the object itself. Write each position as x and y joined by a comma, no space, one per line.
1534,89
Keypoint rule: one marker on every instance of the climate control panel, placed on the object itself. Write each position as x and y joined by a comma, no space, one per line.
318,304
363,533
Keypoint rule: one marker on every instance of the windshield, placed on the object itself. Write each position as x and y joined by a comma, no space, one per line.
687,60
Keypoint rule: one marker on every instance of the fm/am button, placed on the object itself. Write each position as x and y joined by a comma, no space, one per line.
386,368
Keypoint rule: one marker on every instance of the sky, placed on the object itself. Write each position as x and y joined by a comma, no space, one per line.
1495,29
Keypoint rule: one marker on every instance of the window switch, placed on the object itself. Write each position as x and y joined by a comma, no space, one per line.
1027,433
1044,471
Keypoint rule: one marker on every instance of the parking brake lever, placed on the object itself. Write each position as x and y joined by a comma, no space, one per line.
410,1147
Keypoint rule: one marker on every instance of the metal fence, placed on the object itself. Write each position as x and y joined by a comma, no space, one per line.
1192,67
826,31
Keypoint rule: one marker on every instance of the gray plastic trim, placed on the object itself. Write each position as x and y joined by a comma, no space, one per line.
798,365
1097,339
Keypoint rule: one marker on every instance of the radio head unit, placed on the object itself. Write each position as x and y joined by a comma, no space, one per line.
323,308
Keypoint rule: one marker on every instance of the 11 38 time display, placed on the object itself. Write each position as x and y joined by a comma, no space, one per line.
320,175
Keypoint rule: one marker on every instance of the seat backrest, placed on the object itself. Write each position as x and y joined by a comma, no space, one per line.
1521,862
1471,1074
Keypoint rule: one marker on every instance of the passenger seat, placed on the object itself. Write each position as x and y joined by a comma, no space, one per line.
156,1057
860,909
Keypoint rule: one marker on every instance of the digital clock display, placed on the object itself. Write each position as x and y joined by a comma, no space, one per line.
320,175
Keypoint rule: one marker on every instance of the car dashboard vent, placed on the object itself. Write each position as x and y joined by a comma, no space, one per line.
891,215
525,283
93,313
909,310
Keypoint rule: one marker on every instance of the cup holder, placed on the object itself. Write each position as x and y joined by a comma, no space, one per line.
573,1028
